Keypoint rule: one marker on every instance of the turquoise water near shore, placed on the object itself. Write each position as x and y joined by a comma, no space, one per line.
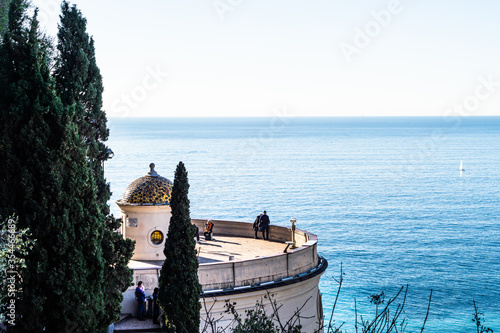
384,195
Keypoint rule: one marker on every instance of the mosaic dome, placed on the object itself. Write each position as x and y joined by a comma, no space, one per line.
152,189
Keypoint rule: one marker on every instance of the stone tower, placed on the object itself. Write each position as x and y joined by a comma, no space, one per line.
146,213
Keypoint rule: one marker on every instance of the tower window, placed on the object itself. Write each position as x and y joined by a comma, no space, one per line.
157,237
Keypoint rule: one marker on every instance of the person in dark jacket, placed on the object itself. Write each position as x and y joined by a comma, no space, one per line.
197,231
156,306
140,296
264,225
256,225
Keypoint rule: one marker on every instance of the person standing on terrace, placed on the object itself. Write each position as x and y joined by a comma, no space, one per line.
264,225
209,226
256,225
141,298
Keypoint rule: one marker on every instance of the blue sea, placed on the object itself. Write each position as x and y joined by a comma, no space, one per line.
384,195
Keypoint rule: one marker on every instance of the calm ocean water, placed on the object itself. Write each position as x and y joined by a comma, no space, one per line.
384,195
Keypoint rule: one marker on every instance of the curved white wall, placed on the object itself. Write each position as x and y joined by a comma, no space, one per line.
303,296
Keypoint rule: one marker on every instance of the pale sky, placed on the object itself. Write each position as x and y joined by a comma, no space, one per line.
187,58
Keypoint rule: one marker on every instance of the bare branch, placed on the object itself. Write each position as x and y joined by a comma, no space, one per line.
427,314
336,297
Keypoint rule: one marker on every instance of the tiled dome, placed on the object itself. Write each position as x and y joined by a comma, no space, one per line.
152,189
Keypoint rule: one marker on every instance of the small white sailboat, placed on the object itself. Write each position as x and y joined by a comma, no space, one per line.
460,168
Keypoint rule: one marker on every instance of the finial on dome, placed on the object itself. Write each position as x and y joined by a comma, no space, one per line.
152,172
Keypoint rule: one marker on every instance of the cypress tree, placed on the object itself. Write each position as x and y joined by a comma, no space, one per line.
79,83
179,287
4,14
47,182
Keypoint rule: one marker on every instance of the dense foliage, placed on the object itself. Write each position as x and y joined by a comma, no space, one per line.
179,286
4,10
79,84
52,179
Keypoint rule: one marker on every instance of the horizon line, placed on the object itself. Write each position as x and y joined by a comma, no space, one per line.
302,116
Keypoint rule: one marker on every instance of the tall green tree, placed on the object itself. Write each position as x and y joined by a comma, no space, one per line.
4,16
79,83
179,286
46,181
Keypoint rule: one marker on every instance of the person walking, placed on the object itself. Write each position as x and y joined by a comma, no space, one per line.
264,225
140,296
256,225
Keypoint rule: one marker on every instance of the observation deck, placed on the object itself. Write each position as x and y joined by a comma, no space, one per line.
234,260
234,265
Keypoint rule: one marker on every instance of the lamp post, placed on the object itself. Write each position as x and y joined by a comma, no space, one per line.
293,220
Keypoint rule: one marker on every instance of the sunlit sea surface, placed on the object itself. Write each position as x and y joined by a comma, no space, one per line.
384,195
